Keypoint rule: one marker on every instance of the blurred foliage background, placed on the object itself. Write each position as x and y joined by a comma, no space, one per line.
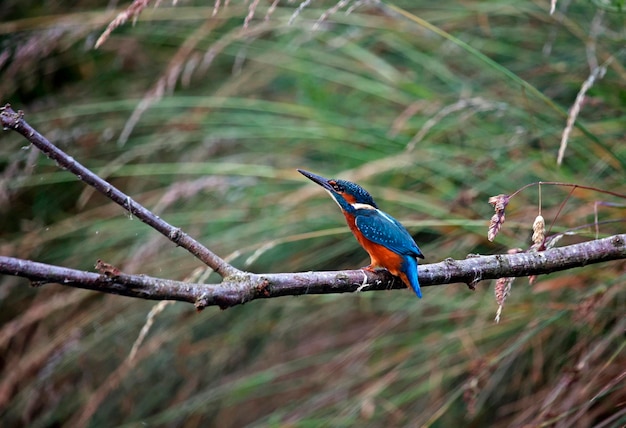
203,113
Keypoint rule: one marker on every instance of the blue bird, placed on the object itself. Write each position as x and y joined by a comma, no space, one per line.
387,242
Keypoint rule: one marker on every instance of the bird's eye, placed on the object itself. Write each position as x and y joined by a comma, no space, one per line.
336,186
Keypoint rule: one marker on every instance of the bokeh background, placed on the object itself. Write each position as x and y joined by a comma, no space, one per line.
202,113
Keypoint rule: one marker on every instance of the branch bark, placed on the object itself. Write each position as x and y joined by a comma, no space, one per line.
245,287
238,287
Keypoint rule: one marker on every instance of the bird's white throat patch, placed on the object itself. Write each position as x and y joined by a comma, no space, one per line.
358,206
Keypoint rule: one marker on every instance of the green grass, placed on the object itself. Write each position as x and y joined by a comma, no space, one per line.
433,107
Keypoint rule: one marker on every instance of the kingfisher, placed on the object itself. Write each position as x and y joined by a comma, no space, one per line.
387,242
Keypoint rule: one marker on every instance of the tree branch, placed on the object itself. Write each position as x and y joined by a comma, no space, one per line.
238,287
244,287
9,119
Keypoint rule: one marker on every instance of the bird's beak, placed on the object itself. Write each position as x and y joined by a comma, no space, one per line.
317,179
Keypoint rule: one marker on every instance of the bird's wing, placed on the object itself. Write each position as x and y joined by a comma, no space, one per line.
381,228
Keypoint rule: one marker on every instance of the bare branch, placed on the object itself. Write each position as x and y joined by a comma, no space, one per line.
9,119
239,287
244,287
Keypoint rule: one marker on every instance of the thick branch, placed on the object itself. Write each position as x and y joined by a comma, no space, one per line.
244,287
9,119
239,287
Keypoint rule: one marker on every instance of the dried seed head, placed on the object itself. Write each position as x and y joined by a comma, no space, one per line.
539,230
499,204
502,290
494,225
503,286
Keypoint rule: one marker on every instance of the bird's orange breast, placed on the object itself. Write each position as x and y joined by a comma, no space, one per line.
380,255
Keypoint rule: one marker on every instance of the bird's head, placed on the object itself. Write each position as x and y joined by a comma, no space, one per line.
347,194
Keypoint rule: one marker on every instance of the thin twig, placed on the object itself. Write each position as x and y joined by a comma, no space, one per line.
577,186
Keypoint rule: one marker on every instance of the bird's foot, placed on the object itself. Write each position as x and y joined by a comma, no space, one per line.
372,268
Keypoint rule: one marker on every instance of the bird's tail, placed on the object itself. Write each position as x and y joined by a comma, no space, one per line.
410,270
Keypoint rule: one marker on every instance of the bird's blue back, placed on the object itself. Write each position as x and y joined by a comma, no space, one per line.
383,229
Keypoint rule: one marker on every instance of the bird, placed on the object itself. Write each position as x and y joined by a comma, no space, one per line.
387,242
